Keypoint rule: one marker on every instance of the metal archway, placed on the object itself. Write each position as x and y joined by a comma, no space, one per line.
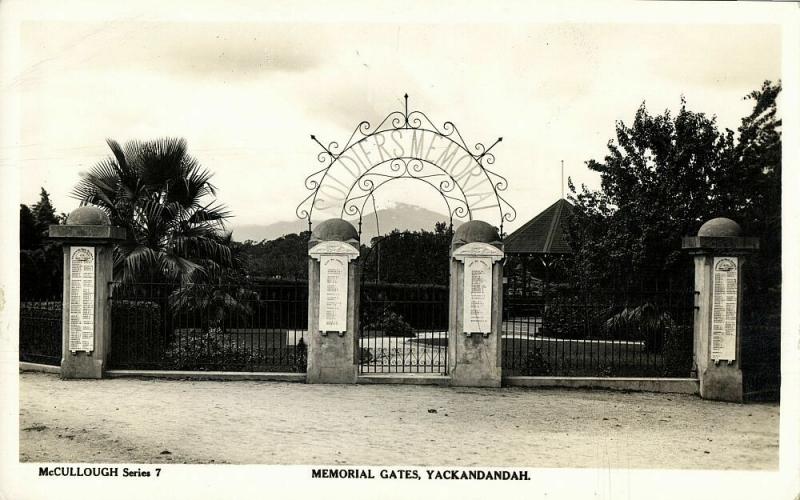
457,182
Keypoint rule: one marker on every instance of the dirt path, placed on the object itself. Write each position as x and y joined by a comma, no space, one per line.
162,421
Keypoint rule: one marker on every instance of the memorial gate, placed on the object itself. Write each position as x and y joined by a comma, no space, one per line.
408,329
340,328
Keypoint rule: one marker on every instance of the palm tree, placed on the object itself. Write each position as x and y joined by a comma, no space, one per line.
645,321
215,303
163,197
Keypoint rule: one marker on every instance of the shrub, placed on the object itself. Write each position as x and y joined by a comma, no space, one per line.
604,370
365,356
406,300
678,345
299,358
570,317
136,332
535,364
40,332
644,322
390,323
201,350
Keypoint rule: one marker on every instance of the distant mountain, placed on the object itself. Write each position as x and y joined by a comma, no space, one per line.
402,216
258,232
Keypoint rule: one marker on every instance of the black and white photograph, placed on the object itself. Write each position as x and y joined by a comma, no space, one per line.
400,249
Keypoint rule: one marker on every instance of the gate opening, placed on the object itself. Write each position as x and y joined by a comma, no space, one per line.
403,326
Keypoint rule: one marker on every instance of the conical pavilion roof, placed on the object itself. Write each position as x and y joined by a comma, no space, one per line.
545,233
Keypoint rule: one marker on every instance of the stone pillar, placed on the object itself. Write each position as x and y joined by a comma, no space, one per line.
88,240
333,301
719,253
476,308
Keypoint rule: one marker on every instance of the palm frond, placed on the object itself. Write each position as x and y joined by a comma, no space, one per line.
177,268
139,264
210,213
158,192
118,153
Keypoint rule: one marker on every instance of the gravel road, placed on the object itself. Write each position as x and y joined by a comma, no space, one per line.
168,421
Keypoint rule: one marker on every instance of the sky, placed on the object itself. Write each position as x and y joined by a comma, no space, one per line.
247,95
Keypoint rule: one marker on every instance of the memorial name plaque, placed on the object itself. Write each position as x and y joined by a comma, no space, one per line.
81,298
477,295
333,293
723,310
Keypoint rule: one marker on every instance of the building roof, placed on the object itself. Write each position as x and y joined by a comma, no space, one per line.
545,233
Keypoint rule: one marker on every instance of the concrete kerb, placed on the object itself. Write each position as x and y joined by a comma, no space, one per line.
405,379
209,375
632,384
25,366
177,374
655,385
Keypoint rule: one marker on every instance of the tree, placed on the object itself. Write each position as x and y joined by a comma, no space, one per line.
285,257
419,257
752,190
165,200
40,259
29,235
663,177
43,213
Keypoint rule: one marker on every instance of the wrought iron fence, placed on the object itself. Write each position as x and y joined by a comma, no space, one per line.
570,332
403,328
40,331
243,327
761,345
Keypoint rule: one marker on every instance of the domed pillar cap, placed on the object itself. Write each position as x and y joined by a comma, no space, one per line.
721,227
720,235
334,230
87,225
88,216
476,231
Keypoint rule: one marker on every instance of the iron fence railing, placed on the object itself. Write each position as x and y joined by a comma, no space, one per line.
571,332
40,331
403,328
236,327
761,344
263,327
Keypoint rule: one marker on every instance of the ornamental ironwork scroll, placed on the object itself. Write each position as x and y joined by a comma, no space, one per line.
406,145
